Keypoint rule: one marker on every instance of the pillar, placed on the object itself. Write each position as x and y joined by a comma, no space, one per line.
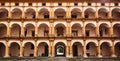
52,31
36,30
21,48
51,11
50,49
36,12
96,13
8,29
113,49
83,10
7,49
97,29
23,12
98,49
71,50
22,29
35,49
111,29
84,49
68,13
83,29
9,12
109,14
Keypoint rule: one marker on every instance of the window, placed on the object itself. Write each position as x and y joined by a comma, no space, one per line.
32,46
46,16
59,4
102,4
2,4
16,4
116,4
30,4
75,4
43,4
89,4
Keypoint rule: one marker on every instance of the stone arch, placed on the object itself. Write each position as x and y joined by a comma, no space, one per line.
60,49
16,13
2,49
15,30
29,49
116,29
117,49
3,28
103,13
76,29
89,13
43,13
116,13
43,30
105,49
60,30
60,13
14,49
43,49
104,30
3,13
76,13
29,30
90,29
30,13
77,49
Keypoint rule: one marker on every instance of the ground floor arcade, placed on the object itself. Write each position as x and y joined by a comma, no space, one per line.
56,48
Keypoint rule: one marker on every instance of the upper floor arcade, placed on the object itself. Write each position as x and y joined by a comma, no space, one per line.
59,10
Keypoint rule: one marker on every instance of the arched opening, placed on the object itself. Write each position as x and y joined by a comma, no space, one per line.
43,49
76,13
77,49
15,30
104,30
91,49
3,30
29,30
43,30
89,13
117,49
60,49
3,13
103,13
16,13
2,50
43,13
14,49
116,13
60,30
30,14
60,13
116,30
90,30
105,49
29,49
76,30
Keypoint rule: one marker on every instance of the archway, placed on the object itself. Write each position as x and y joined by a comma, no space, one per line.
30,14
15,30
30,30
43,30
117,49
60,49
76,13
91,49
14,49
89,13
3,13
60,13
104,30
90,30
29,49
43,13
60,30
77,49
105,49
103,13
43,49
76,30
116,30
2,50
3,30
16,13
116,13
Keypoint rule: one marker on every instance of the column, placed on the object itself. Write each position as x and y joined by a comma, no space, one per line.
71,50
35,49
36,12
51,11
68,13
50,48
109,14
9,12
96,14
67,30
8,30
7,49
50,29
97,29
21,48
22,29
23,12
53,33
111,29
84,49
53,48
113,49
98,49
83,29
83,10
36,30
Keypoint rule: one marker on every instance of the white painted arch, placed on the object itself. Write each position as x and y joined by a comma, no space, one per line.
12,23
80,41
13,41
56,23
45,41
108,41
94,23
73,23
61,40
27,41
33,23
47,23
93,41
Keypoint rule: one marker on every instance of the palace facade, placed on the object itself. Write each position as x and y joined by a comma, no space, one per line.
52,29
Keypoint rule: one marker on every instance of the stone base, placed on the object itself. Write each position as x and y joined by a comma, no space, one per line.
113,56
85,56
99,56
